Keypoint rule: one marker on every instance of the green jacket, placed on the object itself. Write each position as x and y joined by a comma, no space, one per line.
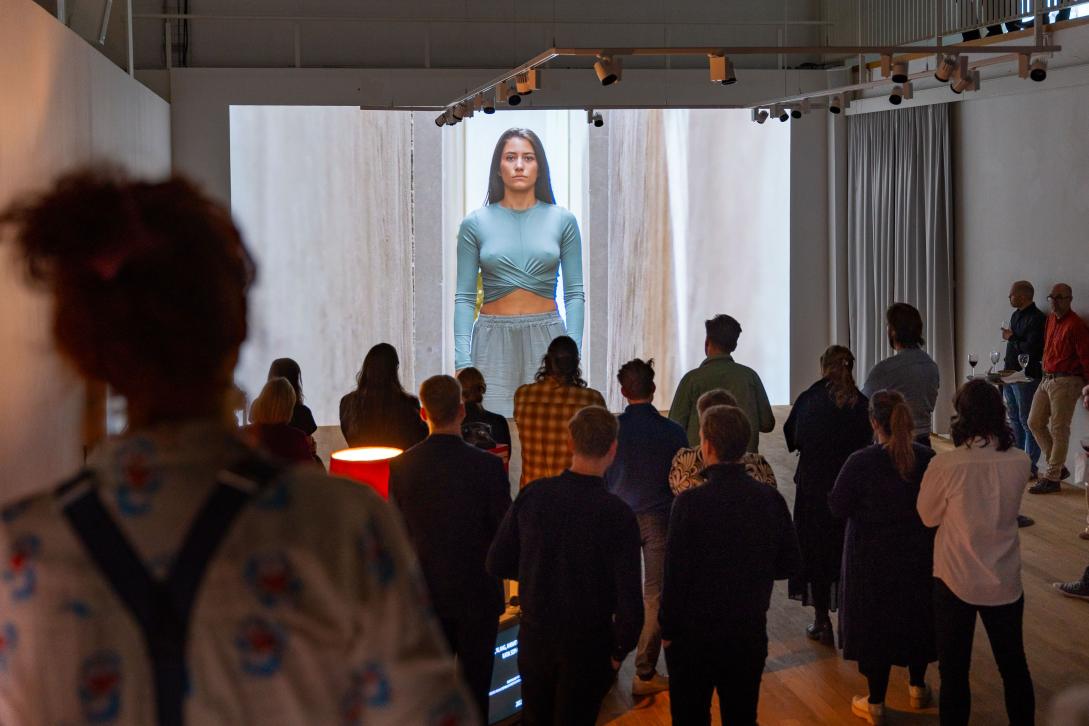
720,371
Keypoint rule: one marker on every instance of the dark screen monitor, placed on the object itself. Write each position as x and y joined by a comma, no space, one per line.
505,696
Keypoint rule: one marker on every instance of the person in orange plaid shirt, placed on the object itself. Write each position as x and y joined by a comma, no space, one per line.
543,408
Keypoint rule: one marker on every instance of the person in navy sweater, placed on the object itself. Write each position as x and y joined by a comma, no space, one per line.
646,444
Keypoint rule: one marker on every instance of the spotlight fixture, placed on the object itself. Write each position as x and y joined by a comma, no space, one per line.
900,72
901,92
459,111
502,92
945,68
528,82
722,70
835,103
759,115
966,81
608,69
440,120
795,113
509,95
780,113
598,120
886,65
1038,70
487,104
449,117
962,77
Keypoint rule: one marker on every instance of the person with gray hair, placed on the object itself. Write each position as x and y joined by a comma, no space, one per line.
729,540
574,549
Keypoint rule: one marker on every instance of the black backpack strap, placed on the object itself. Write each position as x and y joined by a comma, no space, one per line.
163,609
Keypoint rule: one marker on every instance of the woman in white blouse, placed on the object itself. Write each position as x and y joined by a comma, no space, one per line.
972,495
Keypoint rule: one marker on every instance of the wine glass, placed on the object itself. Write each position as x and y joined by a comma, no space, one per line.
1023,360
995,357
973,360
1005,326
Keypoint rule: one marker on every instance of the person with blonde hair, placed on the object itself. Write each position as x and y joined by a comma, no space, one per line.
686,470
270,427
828,423
886,617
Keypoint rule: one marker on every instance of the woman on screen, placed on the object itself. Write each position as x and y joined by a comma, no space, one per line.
518,242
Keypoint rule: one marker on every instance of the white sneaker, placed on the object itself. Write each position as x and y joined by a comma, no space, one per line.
872,712
920,696
656,684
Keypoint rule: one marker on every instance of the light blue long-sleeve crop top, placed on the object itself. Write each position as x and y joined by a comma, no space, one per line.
517,249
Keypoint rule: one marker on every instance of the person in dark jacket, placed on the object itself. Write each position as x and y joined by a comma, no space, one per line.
379,412
574,549
886,616
646,445
301,417
828,423
452,497
729,540
473,388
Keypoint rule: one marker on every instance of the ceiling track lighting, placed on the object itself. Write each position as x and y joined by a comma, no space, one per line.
759,115
780,113
886,65
945,68
1038,70
835,104
721,70
594,118
901,92
795,113
609,69
900,72
528,82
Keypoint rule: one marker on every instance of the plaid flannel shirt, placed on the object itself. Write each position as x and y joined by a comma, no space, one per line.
541,411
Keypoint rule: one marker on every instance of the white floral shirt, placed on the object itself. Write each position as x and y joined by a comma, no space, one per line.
312,610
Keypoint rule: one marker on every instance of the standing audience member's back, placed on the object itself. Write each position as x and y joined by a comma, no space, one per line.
305,602
269,428
452,497
719,370
379,412
301,416
911,371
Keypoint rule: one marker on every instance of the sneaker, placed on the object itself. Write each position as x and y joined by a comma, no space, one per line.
1045,486
920,696
822,632
655,684
1078,589
872,712
1023,521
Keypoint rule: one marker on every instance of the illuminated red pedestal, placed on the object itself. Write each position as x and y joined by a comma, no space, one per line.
366,464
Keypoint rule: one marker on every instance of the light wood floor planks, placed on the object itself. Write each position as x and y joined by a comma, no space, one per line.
806,683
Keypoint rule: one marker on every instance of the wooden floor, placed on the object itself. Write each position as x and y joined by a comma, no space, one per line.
807,683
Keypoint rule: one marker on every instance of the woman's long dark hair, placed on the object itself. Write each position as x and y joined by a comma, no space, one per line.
378,386
836,365
890,411
542,190
289,369
980,413
562,362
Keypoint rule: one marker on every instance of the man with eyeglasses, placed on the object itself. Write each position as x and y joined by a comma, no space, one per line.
1065,369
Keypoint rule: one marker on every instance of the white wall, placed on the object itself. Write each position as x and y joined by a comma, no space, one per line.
1021,165
61,104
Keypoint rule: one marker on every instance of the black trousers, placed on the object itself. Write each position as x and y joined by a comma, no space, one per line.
955,624
733,667
877,678
564,679
472,640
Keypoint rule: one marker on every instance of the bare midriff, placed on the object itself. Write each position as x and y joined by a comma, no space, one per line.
519,302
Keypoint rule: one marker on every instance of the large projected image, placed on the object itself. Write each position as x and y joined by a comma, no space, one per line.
661,219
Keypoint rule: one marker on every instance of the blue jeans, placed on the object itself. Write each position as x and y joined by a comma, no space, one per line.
652,532
1018,403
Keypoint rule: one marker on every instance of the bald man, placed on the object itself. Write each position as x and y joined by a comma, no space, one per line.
1025,336
1065,368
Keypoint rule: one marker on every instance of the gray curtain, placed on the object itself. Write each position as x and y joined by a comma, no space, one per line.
900,235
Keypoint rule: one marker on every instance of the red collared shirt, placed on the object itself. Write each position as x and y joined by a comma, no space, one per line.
1066,347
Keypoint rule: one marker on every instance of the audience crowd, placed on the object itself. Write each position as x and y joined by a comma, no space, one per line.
658,534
